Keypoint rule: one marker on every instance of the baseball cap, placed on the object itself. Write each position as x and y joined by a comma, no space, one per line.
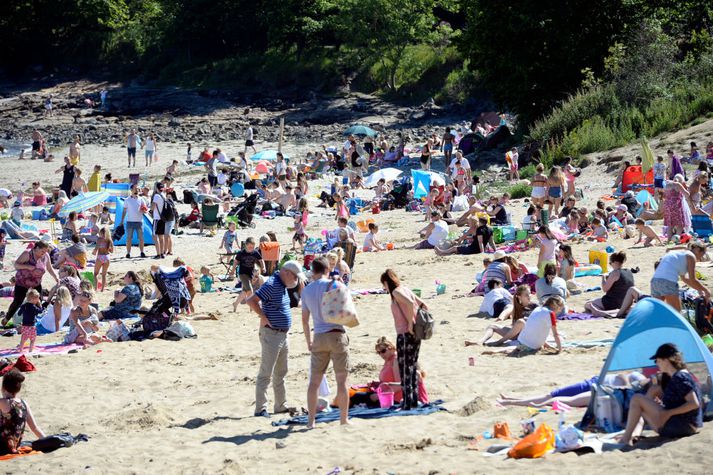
666,350
295,268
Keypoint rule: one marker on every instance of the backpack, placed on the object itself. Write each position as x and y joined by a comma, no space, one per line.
168,212
424,325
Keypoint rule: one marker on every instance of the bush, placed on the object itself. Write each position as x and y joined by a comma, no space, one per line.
520,190
527,172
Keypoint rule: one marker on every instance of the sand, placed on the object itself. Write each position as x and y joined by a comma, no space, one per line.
186,407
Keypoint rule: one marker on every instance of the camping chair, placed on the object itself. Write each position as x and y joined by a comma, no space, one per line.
350,250
270,251
702,225
209,216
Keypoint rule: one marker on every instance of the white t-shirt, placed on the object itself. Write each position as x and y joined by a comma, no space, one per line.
159,201
280,168
439,233
150,145
673,265
249,134
492,297
133,209
367,241
222,158
464,163
222,178
537,328
47,317
17,214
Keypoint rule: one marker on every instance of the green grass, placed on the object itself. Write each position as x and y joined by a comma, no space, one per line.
519,190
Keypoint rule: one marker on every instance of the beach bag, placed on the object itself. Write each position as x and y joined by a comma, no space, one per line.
54,442
156,322
118,232
168,212
424,325
534,445
118,332
337,305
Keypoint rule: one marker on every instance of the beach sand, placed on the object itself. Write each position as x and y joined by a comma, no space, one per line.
186,407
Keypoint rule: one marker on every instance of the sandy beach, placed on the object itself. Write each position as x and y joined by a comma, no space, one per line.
186,407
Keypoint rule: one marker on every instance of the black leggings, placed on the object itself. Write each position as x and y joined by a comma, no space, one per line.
407,348
19,297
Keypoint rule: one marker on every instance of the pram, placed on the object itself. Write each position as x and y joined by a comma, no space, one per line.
398,197
162,312
245,211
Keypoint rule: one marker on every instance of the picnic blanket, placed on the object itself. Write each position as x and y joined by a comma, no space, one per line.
368,292
577,316
366,413
55,349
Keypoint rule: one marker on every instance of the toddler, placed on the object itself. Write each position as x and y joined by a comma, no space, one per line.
29,312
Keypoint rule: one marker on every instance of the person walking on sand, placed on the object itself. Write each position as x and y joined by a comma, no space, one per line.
330,342
132,141
249,139
271,302
75,151
37,141
149,146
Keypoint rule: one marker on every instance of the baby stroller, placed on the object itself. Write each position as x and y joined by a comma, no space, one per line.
398,197
245,211
173,298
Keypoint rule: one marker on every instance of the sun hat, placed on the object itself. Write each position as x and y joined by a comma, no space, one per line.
499,255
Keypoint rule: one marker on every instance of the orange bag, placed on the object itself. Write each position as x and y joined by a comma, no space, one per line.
534,445
270,251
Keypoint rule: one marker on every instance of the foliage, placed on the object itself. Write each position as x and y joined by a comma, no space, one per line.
519,190
528,171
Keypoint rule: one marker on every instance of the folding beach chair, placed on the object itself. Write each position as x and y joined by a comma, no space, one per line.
702,225
270,251
209,216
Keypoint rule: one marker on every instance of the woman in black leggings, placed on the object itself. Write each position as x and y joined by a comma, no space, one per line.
31,266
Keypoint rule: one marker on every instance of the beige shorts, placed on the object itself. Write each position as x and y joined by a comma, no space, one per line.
247,282
332,346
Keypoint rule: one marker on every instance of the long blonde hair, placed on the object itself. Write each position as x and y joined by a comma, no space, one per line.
64,297
556,175
105,234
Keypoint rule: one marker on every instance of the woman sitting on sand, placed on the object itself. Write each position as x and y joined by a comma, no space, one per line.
615,285
69,279
15,413
126,300
550,285
521,308
473,241
673,406
577,394
389,379
434,233
56,314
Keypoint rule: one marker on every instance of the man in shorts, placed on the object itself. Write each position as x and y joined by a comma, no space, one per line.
330,342
132,141
37,140
249,139
133,218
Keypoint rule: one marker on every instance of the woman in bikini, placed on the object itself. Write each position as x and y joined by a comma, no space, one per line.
103,250
570,174
426,155
539,186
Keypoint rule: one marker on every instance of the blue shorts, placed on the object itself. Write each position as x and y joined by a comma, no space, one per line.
448,147
663,287
131,226
575,389
555,192
658,182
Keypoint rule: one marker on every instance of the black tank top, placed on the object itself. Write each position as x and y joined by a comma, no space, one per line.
614,298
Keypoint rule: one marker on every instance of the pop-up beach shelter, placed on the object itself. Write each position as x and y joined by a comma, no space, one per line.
147,228
650,324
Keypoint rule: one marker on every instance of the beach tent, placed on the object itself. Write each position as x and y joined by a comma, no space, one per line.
650,324
423,180
634,175
147,226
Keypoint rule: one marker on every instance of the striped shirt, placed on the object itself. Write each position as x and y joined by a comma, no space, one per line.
496,270
275,302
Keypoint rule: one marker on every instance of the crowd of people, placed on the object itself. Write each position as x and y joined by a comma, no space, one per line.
529,300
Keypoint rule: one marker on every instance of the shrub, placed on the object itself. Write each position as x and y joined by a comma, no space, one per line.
527,172
519,190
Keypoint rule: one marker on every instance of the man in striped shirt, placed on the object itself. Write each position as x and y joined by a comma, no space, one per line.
272,304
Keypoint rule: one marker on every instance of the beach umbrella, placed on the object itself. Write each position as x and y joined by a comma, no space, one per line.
647,156
361,130
388,174
84,202
270,155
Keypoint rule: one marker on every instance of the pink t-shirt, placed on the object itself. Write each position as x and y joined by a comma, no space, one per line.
402,313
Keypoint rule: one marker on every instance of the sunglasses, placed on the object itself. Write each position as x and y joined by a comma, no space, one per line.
382,351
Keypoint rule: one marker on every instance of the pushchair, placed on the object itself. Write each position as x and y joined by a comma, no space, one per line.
174,297
398,197
245,211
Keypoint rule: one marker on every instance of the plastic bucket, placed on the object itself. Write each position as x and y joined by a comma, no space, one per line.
386,398
440,289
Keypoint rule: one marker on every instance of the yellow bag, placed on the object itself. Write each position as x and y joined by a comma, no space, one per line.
534,445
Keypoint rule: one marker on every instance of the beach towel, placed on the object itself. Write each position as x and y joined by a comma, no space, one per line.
368,292
366,413
578,316
55,349
588,343
22,452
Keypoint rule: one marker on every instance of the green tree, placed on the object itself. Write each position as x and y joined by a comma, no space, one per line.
381,30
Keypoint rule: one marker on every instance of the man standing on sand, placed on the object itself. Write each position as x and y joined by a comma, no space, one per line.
249,137
37,141
75,151
132,142
272,304
330,342
133,218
